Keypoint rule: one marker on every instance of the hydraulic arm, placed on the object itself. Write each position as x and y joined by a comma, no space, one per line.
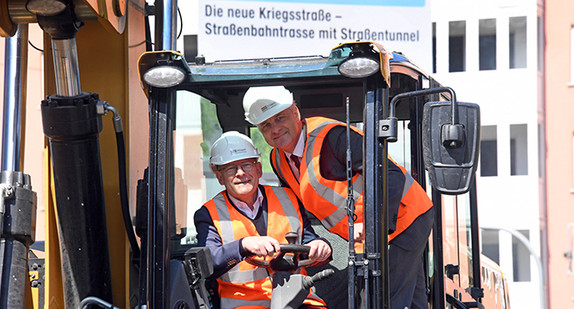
72,124
18,201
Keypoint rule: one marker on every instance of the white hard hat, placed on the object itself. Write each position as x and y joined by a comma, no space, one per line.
261,103
232,146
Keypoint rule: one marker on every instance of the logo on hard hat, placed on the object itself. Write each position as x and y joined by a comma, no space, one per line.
266,107
238,151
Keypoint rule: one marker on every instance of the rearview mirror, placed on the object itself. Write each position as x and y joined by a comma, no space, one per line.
451,149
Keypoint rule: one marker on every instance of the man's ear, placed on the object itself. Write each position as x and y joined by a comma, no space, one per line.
259,170
296,110
219,177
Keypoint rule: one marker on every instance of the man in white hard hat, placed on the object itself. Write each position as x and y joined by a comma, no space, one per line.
249,219
309,156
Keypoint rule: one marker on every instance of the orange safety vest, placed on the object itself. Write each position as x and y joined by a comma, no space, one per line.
246,285
326,199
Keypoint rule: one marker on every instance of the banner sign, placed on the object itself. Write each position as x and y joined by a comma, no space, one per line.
234,29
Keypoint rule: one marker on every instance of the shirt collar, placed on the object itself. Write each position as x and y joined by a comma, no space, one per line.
251,214
300,147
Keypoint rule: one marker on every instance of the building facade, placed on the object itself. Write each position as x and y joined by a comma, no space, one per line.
558,123
490,53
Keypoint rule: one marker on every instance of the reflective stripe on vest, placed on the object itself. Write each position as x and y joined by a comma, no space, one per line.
291,211
409,181
224,219
238,276
326,192
232,303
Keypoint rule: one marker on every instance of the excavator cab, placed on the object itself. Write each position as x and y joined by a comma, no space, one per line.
361,83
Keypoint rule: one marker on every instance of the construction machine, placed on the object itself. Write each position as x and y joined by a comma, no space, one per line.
113,241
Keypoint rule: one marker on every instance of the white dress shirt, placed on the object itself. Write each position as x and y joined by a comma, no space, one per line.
250,213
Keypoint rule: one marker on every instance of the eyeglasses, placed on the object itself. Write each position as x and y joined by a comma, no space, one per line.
231,170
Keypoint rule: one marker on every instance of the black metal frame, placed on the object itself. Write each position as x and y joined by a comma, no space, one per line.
438,290
162,124
375,152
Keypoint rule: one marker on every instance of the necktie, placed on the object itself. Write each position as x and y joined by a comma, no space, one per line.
296,160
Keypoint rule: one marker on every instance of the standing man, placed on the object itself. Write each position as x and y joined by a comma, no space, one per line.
248,219
309,156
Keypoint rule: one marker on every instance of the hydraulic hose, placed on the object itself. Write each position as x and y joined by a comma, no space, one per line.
124,195
118,128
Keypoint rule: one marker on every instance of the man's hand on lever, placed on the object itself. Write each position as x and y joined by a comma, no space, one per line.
320,250
261,245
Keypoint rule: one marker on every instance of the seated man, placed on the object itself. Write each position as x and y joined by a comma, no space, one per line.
249,219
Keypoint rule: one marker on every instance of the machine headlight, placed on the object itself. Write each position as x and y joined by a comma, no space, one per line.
164,76
358,67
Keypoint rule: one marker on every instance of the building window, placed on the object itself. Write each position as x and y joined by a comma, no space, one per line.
190,47
517,42
521,258
518,149
434,47
488,152
487,44
491,245
457,46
